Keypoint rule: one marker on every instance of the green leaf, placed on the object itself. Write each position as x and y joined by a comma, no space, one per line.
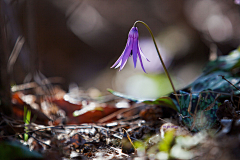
26,118
198,110
164,101
211,81
224,63
166,144
25,137
25,113
14,150
139,144
131,98
215,82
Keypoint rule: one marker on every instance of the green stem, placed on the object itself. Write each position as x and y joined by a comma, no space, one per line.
165,69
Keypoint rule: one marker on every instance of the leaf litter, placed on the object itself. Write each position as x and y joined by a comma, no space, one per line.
78,125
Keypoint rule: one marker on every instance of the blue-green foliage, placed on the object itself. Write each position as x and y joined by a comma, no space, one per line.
202,110
224,63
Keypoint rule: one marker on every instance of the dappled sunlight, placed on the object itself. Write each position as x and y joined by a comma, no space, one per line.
86,23
214,19
119,79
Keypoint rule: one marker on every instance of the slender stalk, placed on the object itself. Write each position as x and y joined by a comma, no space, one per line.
165,69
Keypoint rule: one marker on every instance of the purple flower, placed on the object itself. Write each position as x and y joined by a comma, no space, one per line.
132,49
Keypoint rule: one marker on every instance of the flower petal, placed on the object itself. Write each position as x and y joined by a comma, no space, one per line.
141,53
118,61
133,32
141,62
120,58
119,64
134,51
127,53
125,57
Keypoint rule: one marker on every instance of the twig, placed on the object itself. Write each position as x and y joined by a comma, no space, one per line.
39,141
223,77
116,113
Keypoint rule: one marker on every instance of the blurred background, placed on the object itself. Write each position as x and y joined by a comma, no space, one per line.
79,40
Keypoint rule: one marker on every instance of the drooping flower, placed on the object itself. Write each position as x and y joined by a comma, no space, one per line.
132,49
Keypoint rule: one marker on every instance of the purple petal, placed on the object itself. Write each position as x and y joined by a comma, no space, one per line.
133,32
141,53
119,64
134,51
131,46
125,56
126,52
120,58
141,62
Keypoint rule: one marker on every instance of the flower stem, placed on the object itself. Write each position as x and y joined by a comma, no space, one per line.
165,69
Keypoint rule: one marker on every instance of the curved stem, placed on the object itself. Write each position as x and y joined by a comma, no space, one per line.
165,69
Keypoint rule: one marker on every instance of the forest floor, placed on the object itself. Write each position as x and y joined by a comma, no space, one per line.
203,123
